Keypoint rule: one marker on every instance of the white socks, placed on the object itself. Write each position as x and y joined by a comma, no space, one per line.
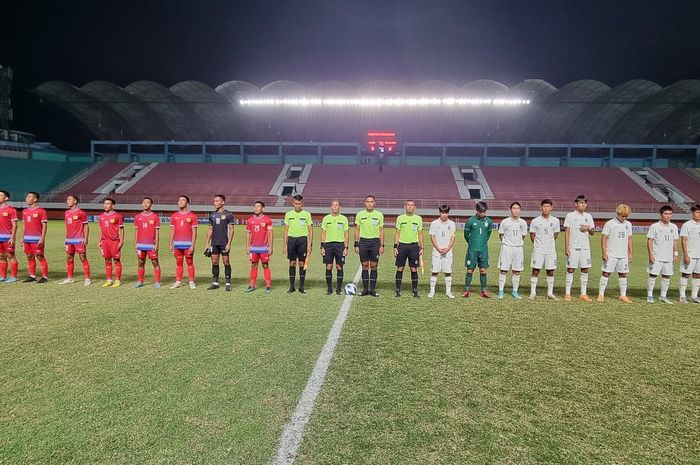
623,287
448,284
665,284
651,282
550,285
533,285
501,282
433,282
683,286
584,283
603,284
696,287
516,282
569,282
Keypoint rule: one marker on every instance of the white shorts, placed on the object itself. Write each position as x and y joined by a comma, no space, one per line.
441,263
692,267
616,265
579,258
660,268
511,258
546,261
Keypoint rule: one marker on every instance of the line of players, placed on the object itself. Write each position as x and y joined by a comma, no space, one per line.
616,243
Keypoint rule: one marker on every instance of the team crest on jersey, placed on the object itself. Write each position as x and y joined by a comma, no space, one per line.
112,220
5,214
35,215
223,217
151,222
75,217
262,224
189,220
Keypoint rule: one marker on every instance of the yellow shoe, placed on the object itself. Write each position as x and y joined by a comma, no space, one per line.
625,299
585,298
601,298
567,297
117,283
107,284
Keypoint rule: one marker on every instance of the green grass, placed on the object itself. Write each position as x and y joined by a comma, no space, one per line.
93,375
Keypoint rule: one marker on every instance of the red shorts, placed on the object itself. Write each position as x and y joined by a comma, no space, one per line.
260,257
5,248
73,249
151,254
110,249
182,252
33,248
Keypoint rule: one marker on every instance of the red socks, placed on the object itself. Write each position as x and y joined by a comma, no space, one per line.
31,267
253,276
268,277
178,269
190,267
70,268
118,265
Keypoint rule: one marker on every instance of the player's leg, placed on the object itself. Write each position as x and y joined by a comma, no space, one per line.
267,272
623,287
666,273
117,271
253,275
156,270
365,277
70,265
14,265
505,258
215,271
483,263
29,251
86,266
302,248
695,284
654,271
373,278
537,263
140,268
584,281
470,263
401,257
683,286
433,283
609,266
43,264
551,264
339,277
108,272
227,269
4,264
329,273
189,259
179,268
292,275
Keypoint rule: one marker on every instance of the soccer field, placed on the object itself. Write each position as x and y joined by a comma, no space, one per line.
120,376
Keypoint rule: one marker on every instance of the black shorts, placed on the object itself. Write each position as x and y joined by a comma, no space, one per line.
297,248
369,250
334,252
410,252
219,250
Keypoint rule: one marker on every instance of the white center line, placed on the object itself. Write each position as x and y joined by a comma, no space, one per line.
294,430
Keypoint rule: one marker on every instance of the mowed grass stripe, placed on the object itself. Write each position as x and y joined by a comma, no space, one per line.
418,381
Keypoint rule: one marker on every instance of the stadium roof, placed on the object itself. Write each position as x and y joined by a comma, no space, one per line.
583,111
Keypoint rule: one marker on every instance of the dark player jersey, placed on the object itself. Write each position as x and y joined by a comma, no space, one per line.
219,222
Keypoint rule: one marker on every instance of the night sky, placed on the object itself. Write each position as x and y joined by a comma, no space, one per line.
352,40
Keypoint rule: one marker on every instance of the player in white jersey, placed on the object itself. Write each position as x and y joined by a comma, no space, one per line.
578,228
442,235
543,233
512,231
662,247
690,245
616,245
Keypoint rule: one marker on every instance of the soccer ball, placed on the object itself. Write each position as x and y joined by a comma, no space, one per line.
350,289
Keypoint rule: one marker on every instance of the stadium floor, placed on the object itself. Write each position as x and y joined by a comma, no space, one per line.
94,375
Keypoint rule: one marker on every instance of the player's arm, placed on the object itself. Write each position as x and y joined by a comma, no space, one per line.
346,238
630,248
323,239
501,231
675,250
532,237
247,241
122,233
381,239
87,233
13,235
451,244
310,242
650,250
357,237
136,236
467,230
604,246
591,228
230,236
397,238
210,231
556,233
489,230
285,233
567,236
157,236
172,236
420,240
44,228
194,237
433,240
684,248
270,238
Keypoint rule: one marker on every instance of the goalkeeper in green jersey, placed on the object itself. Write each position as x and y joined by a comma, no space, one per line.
477,231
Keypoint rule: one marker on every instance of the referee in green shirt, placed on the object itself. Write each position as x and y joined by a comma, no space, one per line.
297,241
335,234
477,231
369,243
408,245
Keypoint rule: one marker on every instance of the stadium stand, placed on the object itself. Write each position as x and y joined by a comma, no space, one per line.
682,180
22,175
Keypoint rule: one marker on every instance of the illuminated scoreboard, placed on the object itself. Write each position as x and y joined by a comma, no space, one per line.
381,142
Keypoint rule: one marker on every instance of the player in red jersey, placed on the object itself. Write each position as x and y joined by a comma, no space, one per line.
258,243
112,241
77,234
34,237
183,236
147,227
8,233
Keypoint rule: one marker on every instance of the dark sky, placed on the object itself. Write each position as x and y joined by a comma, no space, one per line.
353,40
